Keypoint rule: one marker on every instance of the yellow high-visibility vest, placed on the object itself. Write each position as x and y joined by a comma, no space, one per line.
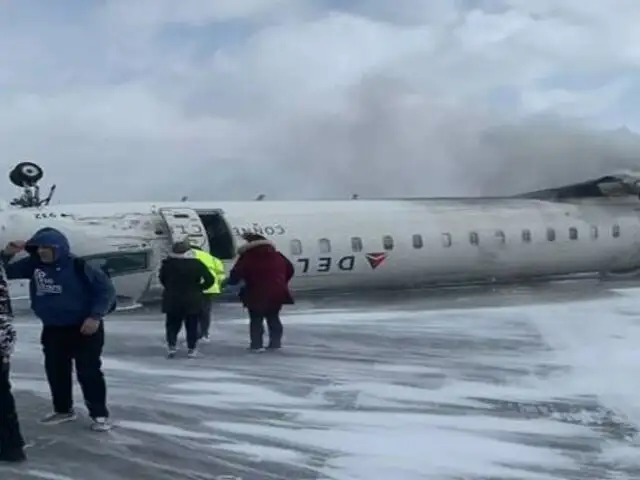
215,266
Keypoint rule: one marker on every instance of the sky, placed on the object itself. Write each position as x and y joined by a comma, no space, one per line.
156,99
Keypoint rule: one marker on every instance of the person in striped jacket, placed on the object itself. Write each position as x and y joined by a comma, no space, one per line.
11,440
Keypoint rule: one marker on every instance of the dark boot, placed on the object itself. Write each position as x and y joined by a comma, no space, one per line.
11,441
274,325
13,456
256,330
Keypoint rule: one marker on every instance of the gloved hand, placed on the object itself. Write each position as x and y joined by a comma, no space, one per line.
225,287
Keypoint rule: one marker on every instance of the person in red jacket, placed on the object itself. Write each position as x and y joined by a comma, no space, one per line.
265,273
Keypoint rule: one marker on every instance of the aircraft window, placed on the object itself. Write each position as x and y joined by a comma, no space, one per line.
594,232
573,233
114,264
526,236
417,241
501,236
615,231
551,234
474,239
296,247
356,244
446,240
325,245
387,242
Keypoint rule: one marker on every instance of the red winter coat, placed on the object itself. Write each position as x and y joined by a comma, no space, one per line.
266,274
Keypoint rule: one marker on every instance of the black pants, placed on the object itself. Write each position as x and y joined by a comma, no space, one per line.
256,327
64,345
173,325
10,435
205,318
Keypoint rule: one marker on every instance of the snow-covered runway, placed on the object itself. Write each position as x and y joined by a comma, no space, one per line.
404,391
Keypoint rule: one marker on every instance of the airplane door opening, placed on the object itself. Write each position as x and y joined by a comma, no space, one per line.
185,224
221,241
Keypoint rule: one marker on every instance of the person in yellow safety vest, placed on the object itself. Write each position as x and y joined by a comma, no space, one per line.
216,267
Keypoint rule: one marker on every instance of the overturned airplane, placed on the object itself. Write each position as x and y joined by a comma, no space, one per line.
590,228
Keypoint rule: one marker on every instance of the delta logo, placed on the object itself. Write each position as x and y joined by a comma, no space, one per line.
376,259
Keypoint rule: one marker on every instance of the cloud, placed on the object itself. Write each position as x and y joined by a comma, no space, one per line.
155,99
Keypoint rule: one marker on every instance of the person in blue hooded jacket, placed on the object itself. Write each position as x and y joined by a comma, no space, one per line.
71,298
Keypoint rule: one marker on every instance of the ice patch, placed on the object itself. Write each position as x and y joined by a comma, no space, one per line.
624,456
344,318
459,393
265,398
373,395
234,394
357,425
599,342
47,475
117,365
163,429
430,319
39,387
383,446
420,369
262,453
630,291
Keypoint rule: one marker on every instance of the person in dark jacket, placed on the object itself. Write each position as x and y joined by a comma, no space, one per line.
184,278
11,441
266,274
71,303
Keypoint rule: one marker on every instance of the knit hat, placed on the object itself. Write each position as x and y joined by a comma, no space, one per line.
181,247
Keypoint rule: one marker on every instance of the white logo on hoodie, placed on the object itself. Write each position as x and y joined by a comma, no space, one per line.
44,284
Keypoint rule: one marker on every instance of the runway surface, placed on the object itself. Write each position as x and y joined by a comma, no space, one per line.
521,383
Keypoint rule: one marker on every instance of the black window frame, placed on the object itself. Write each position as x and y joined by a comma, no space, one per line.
141,264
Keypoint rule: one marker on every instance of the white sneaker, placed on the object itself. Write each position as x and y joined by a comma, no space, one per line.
101,424
205,339
171,352
192,353
58,418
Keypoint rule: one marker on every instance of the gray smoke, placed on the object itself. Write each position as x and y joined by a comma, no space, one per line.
388,140
383,139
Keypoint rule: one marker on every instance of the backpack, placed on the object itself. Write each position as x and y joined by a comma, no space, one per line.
79,266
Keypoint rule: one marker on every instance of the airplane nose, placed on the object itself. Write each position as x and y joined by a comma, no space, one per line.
124,258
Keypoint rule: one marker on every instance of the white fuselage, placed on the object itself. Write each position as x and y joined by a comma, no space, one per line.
356,244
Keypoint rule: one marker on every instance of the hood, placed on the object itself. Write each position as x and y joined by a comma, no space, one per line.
49,237
266,245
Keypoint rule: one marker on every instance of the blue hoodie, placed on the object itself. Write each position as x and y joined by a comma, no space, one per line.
59,296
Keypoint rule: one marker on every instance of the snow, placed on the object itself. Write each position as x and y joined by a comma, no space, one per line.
525,391
262,453
47,475
159,429
233,394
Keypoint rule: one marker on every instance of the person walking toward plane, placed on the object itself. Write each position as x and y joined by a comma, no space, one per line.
184,278
71,298
216,267
11,441
266,274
